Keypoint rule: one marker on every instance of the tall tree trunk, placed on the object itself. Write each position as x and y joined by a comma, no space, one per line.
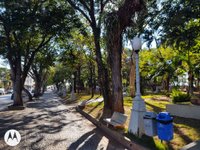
43,88
132,75
167,82
117,94
114,46
75,83
190,80
17,85
28,94
93,80
38,87
79,78
102,75
198,83
116,23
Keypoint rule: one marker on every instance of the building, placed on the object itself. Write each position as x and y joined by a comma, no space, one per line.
29,83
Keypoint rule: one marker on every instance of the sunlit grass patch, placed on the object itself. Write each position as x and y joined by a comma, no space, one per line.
185,130
94,109
83,97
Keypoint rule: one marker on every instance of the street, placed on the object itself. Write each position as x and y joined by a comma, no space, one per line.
5,100
48,124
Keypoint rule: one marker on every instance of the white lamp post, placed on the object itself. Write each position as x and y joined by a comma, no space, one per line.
72,92
136,125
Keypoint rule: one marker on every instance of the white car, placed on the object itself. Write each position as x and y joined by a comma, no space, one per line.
2,91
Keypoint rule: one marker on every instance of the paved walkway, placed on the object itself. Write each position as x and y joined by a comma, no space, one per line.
47,124
5,100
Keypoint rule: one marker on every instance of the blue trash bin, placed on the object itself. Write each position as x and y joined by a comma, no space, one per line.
164,126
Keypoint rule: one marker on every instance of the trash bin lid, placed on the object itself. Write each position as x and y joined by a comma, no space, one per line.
164,116
150,115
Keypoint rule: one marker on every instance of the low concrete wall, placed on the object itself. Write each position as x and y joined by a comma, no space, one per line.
186,111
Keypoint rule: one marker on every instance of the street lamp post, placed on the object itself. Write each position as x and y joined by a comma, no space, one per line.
64,92
72,92
136,124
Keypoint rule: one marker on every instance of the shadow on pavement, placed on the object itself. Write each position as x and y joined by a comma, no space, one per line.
40,118
90,140
48,124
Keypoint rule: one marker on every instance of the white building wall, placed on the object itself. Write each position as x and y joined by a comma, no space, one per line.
29,83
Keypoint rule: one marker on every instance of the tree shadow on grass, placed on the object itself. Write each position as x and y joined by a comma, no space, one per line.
194,123
146,141
182,135
183,130
91,110
155,108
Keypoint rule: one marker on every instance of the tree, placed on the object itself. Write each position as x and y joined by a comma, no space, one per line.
77,57
176,23
26,27
5,81
93,11
85,45
61,73
116,23
158,67
40,68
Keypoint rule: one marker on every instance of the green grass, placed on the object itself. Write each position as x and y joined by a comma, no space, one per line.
148,142
185,130
152,105
82,96
152,96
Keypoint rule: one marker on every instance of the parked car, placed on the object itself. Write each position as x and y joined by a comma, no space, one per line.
24,94
9,91
2,91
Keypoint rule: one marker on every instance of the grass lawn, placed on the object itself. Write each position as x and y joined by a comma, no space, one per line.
185,130
81,97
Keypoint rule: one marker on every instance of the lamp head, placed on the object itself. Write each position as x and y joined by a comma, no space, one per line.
72,76
136,44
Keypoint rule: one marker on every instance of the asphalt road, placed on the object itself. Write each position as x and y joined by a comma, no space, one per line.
5,100
48,124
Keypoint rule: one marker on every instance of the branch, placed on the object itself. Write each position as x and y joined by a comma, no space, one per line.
1,18
127,10
17,40
31,74
35,71
27,66
92,13
43,43
103,4
80,10
27,52
8,44
85,5
101,9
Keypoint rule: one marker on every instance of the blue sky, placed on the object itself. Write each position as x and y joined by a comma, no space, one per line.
3,64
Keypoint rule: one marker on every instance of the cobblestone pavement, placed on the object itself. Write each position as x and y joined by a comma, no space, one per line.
47,124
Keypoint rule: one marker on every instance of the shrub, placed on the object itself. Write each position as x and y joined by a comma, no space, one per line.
178,96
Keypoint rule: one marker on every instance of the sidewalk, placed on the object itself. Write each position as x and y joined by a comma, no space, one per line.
47,124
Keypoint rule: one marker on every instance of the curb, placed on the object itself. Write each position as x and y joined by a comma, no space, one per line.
116,136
